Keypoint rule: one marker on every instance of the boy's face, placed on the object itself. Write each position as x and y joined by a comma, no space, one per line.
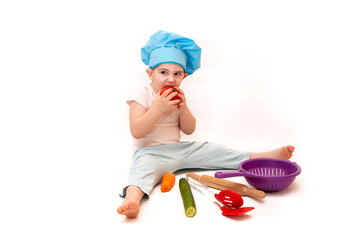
167,74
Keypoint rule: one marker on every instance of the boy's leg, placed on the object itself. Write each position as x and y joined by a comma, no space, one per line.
207,155
147,169
216,156
130,206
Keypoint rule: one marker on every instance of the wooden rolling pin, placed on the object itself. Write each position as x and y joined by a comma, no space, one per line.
222,184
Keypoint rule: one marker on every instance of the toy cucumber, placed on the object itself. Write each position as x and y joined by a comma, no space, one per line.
187,197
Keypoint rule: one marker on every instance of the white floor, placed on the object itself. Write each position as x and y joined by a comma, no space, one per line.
273,73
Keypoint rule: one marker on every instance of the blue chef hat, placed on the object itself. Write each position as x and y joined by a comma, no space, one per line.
167,47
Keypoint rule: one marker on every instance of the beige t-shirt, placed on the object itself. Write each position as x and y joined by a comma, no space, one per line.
166,130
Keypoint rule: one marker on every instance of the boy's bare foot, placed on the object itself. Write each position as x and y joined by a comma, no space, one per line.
129,209
284,152
131,205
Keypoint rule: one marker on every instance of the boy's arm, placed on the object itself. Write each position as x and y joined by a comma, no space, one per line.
187,120
142,120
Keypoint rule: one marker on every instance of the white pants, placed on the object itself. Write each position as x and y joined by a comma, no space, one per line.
151,163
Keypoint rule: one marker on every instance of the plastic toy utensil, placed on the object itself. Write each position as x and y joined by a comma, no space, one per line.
230,198
237,211
225,210
267,174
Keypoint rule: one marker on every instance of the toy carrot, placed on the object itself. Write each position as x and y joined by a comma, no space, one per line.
168,181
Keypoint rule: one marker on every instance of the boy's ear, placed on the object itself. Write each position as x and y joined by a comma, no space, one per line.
150,73
185,75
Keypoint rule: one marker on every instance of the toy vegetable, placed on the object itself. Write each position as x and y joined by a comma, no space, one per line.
173,89
168,181
187,197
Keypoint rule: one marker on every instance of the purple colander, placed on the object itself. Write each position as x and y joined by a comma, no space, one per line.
267,174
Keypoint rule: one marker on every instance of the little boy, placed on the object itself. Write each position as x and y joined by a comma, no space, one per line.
156,121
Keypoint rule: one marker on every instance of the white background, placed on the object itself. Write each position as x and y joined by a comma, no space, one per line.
273,73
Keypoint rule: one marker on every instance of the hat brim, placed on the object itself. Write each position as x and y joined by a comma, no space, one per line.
167,55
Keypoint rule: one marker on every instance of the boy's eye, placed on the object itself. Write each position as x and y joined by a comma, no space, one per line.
163,72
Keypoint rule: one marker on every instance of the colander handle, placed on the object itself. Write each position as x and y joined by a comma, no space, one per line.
235,173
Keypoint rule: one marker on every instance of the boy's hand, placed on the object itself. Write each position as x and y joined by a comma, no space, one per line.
163,102
181,94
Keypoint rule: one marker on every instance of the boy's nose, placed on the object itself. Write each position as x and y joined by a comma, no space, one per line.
171,79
